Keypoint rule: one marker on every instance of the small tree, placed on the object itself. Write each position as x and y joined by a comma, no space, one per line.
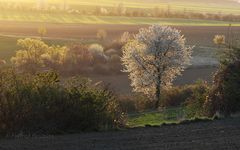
219,39
154,58
35,54
101,34
97,52
42,31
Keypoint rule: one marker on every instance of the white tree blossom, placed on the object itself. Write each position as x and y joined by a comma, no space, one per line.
154,58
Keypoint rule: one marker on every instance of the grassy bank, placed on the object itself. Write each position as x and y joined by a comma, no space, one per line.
172,115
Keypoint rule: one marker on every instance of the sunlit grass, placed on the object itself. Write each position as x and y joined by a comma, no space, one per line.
176,5
173,115
84,19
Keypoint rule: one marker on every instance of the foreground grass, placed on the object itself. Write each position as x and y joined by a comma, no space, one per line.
82,19
173,115
170,116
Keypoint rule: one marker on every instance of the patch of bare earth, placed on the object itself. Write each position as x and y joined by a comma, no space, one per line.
196,35
214,135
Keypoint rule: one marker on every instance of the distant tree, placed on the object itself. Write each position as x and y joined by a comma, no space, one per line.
156,12
101,34
121,10
219,39
97,52
54,57
42,31
104,11
41,4
154,58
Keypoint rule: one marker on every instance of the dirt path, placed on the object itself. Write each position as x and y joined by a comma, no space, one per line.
220,134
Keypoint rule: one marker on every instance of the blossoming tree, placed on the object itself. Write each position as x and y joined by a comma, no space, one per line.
154,58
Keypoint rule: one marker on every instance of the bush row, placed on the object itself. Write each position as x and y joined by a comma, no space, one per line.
35,55
44,104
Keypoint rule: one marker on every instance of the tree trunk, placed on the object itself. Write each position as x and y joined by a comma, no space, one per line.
158,92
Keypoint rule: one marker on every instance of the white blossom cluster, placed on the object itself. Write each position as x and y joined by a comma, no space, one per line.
155,57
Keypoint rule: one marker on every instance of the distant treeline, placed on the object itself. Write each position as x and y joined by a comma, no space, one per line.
118,10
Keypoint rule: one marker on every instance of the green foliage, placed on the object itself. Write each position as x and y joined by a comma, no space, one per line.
135,103
224,96
194,105
42,104
101,34
184,95
176,96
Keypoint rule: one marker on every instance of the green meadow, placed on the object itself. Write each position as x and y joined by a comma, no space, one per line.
170,115
85,19
216,6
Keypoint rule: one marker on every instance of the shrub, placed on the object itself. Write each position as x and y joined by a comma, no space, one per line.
115,64
111,52
219,39
116,45
224,96
101,34
42,104
79,59
135,103
98,54
194,105
35,55
179,95
176,96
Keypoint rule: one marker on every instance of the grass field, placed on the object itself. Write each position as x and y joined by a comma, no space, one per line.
173,115
80,19
214,6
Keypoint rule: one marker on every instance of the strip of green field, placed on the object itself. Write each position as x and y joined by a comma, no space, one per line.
204,6
80,19
173,115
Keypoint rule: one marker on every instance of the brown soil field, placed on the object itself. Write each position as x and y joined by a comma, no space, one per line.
214,135
199,36
121,84
196,35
